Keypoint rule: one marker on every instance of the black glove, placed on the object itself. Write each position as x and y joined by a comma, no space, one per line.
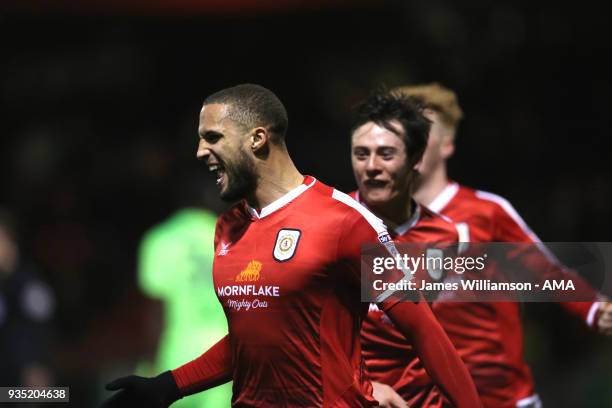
156,392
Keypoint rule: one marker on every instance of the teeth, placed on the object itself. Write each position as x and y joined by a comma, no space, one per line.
213,167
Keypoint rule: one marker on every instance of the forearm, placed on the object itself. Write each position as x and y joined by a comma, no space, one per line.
212,368
439,356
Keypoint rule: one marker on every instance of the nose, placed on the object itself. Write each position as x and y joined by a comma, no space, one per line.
372,166
203,150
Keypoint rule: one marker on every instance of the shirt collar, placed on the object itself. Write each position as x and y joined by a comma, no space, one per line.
444,197
403,228
282,201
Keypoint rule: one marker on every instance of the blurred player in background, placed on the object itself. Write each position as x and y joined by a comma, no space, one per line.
27,307
287,271
488,336
175,265
384,131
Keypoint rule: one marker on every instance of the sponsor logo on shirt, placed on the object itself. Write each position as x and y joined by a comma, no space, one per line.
250,273
245,295
224,248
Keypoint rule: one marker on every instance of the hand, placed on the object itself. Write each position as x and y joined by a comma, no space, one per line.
604,323
134,391
387,397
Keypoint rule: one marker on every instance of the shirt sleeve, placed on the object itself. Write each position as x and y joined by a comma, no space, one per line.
413,319
360,233
212,368
539,261
439,356
356,231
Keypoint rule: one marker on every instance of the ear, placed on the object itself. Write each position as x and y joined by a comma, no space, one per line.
415,173
448,146
429,114
260,137
417,166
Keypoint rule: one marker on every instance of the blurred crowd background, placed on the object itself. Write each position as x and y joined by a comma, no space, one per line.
99,104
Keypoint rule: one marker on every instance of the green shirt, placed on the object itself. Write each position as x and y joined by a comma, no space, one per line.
175,266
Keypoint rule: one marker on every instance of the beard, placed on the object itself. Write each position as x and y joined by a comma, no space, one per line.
241,178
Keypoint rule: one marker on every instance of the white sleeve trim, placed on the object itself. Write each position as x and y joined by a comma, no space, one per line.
383,236
590,320
532,401
377,224
509,209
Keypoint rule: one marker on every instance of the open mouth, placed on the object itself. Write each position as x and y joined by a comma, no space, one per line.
219,171
373,183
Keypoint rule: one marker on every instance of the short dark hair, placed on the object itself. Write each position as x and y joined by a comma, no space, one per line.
253,105
384,107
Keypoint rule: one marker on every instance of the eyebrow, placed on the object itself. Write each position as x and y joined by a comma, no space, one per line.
376,149
383,148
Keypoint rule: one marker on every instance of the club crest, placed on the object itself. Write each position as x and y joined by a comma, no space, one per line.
464,236
435,258
287,241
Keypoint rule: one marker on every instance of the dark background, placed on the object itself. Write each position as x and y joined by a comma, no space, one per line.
99,108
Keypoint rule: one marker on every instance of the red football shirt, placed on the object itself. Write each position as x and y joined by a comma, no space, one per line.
288,278
390,357
489,336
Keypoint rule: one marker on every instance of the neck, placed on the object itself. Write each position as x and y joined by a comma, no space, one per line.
430,187
396,211
277,176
